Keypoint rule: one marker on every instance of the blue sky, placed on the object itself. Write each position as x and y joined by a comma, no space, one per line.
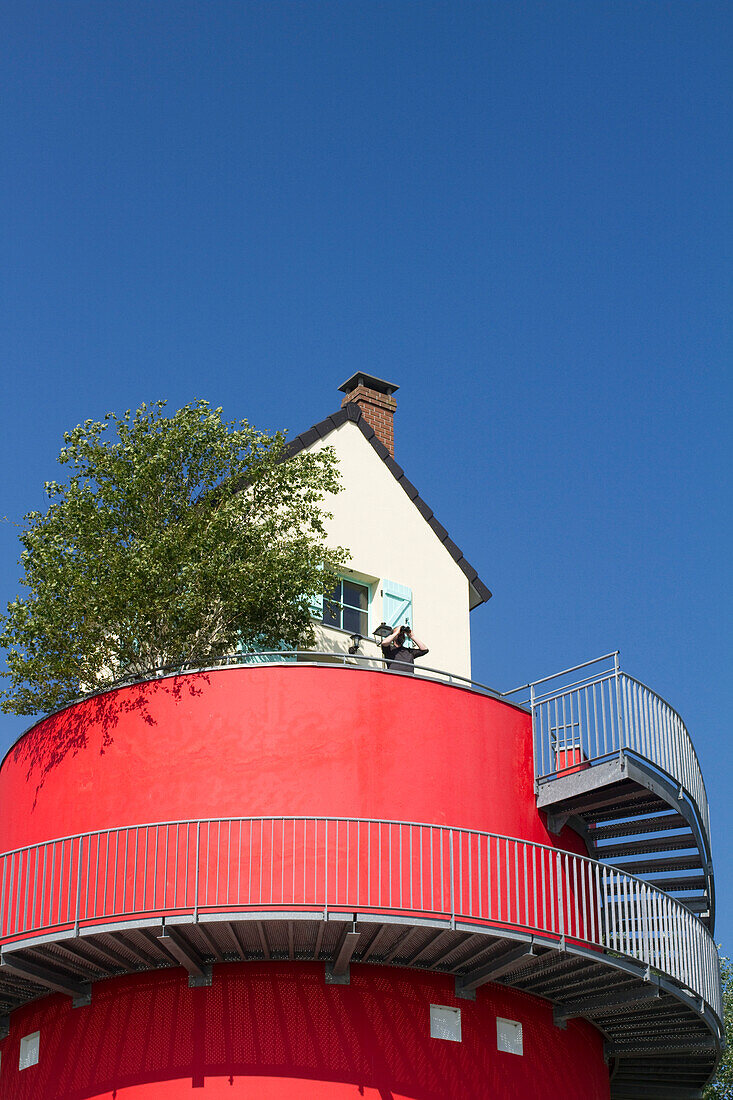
518,212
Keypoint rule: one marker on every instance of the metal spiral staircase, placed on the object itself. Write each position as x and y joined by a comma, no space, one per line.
615,761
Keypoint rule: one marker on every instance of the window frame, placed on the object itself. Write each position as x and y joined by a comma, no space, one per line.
340,604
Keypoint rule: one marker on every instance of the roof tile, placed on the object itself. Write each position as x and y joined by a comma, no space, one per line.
408,487
425,512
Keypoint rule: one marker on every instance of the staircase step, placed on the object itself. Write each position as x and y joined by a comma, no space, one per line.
671,885
639,832
645,867
615,812
639,825
697,905
666,885
618,794
641,847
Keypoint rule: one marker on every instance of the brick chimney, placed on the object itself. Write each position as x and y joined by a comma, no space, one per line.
374,398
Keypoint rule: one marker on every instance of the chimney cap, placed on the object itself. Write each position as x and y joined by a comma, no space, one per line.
368,380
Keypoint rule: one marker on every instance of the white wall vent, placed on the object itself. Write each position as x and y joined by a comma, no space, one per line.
509,1036
445,1023
29,1048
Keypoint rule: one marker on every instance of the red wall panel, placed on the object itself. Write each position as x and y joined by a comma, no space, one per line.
275,740
277,1031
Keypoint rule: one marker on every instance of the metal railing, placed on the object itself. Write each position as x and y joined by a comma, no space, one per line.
605,713
288,657
328,866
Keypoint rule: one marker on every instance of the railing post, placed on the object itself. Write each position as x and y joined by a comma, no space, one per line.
325,872
561,894
78,885
196,875
534,740
621,725
452,883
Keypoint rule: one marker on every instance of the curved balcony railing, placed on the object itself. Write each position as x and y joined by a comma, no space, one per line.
597,716
608,713
290,657
575,724
329,866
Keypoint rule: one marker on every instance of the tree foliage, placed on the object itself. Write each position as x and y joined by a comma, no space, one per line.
173,539
721,1086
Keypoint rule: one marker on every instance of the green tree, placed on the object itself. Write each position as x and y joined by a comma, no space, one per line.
173,539
721,1086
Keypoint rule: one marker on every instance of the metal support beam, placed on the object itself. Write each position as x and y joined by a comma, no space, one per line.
557,822
495,969
375,940
487,946
432,942
319,940
234,936
263,939
338,972
345,951
119,962
78,959
137,952
175,945
402,940
211,942
80,992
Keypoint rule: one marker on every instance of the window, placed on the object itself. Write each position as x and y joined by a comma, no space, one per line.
445,1023
347,607
29,1048
509,1036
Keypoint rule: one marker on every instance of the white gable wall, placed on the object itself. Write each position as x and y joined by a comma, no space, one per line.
390,540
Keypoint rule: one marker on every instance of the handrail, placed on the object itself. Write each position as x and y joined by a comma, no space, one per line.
565,672
348,865
304,658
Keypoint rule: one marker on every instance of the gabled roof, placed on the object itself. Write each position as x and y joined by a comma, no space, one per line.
351,411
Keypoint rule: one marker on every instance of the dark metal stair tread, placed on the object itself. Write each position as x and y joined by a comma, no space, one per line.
624,793
642,847
616,811
639,825
673,885
698,904
643,867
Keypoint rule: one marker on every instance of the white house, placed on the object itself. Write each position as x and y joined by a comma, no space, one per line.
404,567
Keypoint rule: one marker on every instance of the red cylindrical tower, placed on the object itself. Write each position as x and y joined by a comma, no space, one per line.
304,879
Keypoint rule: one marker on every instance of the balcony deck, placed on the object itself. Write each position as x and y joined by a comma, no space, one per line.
484,908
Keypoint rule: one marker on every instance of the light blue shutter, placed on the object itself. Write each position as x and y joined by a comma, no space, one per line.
397,606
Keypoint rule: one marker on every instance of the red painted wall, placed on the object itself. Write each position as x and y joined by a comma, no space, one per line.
276,1031
275,740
